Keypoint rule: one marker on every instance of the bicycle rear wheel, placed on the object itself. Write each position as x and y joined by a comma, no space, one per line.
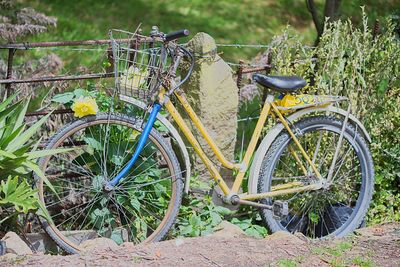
141,208
339,207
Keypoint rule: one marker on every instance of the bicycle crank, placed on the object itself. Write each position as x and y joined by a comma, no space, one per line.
280,209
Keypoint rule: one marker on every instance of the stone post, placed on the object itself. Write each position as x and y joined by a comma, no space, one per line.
213,94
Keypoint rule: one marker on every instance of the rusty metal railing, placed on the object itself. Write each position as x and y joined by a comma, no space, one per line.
12,48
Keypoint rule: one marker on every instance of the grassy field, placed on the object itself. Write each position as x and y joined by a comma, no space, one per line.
228,21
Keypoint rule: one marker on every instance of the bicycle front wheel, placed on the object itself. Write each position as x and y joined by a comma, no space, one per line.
141,208
340,206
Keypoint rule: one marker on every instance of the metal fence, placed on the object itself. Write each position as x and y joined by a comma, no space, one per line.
241,67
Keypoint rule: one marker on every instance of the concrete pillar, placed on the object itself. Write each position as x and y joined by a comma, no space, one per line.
213,94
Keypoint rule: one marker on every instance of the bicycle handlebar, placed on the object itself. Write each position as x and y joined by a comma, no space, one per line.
175,35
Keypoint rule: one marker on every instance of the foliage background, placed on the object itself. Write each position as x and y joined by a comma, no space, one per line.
365,67
228,21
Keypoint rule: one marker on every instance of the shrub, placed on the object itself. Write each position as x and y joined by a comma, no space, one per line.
352,62
18,155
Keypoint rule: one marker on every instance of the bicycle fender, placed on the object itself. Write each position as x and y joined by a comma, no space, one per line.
277,129
174,133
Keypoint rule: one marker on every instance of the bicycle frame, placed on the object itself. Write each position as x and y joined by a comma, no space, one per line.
268,108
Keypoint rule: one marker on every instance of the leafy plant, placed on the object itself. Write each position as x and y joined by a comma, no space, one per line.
356,63
102,99
199,217
250,228
19,194
18,155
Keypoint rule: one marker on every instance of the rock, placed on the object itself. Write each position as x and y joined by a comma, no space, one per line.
128,245
302,237
101,243
213,94
227,229
9,257
15,245
41,242
285,237
370,232
179,242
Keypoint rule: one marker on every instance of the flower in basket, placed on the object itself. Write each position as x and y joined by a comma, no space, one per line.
134,78
84,106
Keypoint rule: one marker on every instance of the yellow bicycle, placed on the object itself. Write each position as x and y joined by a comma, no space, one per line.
311,173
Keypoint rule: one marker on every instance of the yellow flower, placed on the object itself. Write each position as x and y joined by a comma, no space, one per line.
84,106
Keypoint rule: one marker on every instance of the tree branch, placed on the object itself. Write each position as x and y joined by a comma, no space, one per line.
313,11
331,9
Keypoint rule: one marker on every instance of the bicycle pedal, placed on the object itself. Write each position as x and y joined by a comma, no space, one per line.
280,209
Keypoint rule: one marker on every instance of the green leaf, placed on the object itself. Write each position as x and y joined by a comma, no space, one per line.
93,143
47,152
252,232
8,100
116,235
35,168
222,210
314,217
135,204
6,118
7,139
382,86
215,218
21,116
261,230
195,221
63,98
80,92
26,135
18,193
7,154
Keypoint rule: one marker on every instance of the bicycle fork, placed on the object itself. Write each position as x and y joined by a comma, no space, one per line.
109,186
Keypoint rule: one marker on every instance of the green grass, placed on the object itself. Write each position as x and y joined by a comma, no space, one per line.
285,263
361,261
294,262
336,257
228,21
336,251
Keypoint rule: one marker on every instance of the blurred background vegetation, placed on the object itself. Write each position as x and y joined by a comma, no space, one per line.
228,21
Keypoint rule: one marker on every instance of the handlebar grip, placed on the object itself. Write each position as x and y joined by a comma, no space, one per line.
175,35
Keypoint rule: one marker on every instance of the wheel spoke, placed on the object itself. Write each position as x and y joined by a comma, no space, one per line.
317,213
79,175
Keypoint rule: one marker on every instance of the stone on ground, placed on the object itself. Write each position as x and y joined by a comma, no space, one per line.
9,257
101,243
15,245
286,237
41,242
227,229
128,245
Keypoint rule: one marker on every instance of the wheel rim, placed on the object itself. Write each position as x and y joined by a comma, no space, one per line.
138,208
330,210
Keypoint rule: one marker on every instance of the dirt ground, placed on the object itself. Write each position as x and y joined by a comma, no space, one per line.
374,246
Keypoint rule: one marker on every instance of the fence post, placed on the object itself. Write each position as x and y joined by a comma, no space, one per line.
10,60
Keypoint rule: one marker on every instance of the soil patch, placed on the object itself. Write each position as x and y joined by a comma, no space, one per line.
374,246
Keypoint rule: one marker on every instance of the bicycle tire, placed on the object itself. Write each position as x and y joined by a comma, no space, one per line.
304,126
137,124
